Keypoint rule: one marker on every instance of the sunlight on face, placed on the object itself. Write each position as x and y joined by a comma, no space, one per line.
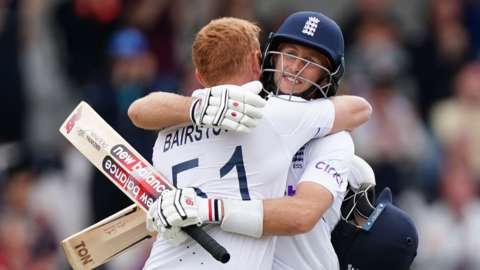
296,72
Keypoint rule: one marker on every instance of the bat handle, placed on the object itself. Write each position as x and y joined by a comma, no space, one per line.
208,243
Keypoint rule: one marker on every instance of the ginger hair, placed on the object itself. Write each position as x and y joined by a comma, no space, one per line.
222,49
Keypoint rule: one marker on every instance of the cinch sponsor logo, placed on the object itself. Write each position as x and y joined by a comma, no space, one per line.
71,122
329,170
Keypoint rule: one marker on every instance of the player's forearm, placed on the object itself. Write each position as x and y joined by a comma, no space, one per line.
228,107
280,216
289,216
254,218
350,112
160,110
283,216
297,214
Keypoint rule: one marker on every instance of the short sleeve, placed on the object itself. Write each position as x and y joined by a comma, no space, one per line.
298,122
328,161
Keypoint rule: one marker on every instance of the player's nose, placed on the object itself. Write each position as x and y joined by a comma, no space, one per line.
296,66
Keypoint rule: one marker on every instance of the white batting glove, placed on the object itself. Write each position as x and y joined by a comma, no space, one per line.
228,106
360,173
175,236
181,208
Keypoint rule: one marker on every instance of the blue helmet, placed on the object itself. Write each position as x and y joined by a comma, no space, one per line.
387,240
316,31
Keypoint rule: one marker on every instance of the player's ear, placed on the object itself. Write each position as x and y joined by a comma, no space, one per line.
256,61
199,78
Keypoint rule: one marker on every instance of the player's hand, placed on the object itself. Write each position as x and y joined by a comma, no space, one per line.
181,208
228,106
175,236
360,173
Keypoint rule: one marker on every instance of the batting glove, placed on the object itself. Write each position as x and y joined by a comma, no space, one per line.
360,173
175,236
228,106
181,208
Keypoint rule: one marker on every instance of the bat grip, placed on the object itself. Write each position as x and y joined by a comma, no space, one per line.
208,243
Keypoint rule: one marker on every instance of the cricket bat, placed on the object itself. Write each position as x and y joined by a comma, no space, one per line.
125,167
106,239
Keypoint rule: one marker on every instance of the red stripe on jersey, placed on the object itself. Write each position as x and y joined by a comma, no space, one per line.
210,210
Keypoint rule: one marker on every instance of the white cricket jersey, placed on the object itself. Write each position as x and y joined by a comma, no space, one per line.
325,161
226,164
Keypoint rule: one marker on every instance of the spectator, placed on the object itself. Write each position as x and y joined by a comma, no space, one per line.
378,54
133,74
394,141
85,26
440,54
27,241
160,23
365,10
472,21
448,229
456,120
12,111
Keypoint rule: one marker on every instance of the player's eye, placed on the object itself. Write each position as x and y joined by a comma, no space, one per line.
313,60
291,52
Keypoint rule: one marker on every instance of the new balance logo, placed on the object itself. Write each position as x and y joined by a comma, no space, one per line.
310,26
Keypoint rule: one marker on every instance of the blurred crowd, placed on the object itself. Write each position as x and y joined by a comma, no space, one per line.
416,62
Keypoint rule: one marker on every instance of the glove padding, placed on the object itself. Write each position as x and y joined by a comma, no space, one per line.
175,208
360,173
180,208
175,236
228,106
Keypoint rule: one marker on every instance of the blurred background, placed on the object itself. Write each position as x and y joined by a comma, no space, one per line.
416,62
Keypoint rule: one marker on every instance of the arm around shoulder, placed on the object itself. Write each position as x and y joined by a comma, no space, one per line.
254,218
297,214
160,110
229,107
350,112
280,216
